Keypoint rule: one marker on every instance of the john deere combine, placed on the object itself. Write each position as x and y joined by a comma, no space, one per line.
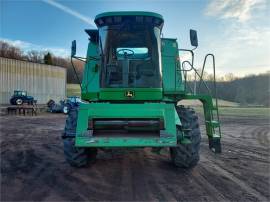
133,80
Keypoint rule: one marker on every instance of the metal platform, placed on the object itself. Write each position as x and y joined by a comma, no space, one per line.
22,109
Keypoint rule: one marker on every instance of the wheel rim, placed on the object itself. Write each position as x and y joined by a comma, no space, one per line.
19,101
65,110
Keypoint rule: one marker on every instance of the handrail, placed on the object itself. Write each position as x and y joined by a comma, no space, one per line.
200,75
192,62
191,52
214,69
197,73
201,81
215,83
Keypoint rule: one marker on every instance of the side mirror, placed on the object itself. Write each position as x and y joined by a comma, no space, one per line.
193,37
73,48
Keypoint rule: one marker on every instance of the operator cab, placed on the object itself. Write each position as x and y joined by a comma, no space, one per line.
19,93
130,49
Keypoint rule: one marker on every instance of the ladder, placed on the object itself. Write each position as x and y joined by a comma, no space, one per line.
211,112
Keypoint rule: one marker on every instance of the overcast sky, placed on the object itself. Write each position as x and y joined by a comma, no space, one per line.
236,31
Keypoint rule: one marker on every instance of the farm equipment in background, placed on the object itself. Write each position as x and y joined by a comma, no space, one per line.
133,80
20,97
64,105
54,107
71,102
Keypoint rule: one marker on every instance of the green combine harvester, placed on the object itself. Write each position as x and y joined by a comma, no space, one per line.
133,80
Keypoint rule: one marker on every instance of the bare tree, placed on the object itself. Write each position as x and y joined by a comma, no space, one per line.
9,51
35,56
229,77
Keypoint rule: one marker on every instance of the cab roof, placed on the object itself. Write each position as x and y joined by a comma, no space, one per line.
129,13
140,16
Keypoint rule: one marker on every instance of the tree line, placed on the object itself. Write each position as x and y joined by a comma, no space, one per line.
44,57
252,89
248,90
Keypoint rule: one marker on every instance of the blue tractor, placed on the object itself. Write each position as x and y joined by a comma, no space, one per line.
20,97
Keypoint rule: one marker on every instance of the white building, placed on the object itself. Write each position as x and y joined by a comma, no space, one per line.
43,82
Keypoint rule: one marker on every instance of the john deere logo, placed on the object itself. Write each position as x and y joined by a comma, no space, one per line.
130,94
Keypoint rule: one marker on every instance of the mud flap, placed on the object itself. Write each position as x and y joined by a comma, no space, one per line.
215,145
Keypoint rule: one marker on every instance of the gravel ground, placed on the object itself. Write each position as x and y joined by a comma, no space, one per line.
33,166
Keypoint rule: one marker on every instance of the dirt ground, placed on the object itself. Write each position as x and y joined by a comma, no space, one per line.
33,166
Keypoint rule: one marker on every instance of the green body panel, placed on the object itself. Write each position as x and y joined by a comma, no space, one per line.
124,142
90,96
138,94
171,74
105,102
90,82
162,111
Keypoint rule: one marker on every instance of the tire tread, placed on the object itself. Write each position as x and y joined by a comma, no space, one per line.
187,156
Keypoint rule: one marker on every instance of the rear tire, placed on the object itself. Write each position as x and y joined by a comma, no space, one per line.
187,155
76,156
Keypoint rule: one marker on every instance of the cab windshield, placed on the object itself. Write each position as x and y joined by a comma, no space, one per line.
20,93
130,55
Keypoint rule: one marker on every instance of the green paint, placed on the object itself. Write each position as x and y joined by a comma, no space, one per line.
138,103
138,94
90,83
90,96
124,142
172,78
93,111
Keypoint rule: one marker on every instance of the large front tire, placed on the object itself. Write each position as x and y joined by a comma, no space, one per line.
76,156
187,155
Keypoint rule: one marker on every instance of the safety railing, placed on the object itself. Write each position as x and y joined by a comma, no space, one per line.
201,80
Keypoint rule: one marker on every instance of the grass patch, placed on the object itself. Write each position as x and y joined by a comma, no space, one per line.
245,111
73,90
241,111
222,103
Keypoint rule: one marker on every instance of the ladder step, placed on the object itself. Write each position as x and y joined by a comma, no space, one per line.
216,135
213,123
